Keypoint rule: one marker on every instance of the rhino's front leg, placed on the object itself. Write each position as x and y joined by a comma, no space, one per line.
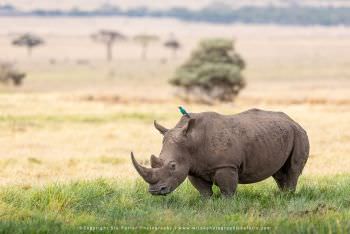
226,179
203,186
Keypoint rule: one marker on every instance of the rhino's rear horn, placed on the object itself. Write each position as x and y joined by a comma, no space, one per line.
156,162
148,174
160,128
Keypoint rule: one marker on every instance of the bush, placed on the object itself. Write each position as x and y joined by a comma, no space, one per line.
9,73
213,72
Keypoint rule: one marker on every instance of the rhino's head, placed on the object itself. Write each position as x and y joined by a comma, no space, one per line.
171,168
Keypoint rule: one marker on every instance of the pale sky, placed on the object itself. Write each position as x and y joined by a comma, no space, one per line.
193,4
90,4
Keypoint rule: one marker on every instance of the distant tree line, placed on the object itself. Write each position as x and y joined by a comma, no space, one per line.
106,37
215,13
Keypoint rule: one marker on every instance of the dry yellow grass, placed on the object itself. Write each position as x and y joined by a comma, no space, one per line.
71,122
74,139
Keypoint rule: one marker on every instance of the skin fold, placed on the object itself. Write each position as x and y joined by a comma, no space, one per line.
226,150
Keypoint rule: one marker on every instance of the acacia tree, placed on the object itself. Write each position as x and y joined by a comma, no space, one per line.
28,40
144,40
108,38
213,72
173,45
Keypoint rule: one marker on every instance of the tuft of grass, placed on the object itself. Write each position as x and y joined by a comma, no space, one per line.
320,205
34,160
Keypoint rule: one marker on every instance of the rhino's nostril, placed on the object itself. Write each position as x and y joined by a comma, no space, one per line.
162,188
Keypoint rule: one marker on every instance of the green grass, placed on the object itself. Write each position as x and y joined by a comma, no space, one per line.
320,205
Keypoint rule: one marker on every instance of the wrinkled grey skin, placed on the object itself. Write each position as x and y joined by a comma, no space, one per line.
225,150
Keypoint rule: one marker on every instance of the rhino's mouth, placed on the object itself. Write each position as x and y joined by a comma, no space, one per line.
162,190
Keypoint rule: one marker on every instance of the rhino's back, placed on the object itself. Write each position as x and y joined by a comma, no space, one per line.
257,142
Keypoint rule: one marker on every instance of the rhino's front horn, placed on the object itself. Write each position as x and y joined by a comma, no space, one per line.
148,174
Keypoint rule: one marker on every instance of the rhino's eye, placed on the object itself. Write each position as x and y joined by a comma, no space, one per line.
172,165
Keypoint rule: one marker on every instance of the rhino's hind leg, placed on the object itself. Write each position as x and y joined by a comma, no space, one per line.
286,182
204,187
287,177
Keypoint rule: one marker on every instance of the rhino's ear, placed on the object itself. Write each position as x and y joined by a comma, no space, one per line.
156,162
160,128
188,126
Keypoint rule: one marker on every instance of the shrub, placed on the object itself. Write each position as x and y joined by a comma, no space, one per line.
9,73
213,72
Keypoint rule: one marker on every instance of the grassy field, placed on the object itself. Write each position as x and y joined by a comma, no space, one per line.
67,133
320,205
